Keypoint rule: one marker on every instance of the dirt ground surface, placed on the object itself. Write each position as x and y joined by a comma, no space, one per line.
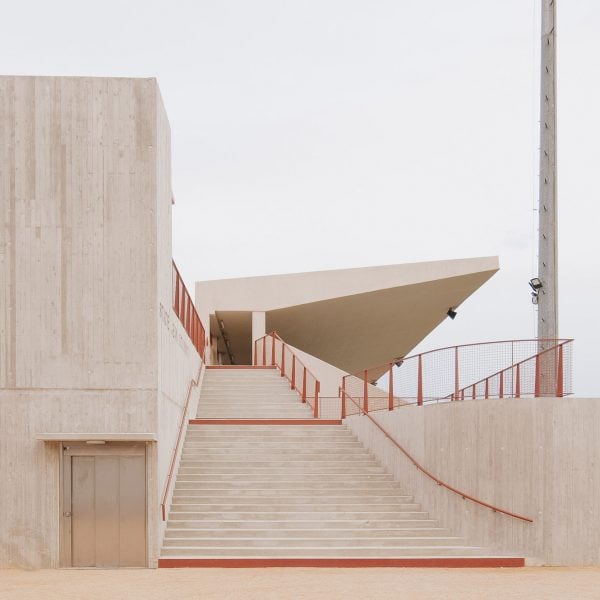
350,584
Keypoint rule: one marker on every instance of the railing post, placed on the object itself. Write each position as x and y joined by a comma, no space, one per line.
473,393
559,374
501,391
255,358
487,388
536,392
420,382
264,351
293,384
456,384
273,350
282,359
182,313
391,386
317,389
304,386
365,393
343,397
187,314
518,382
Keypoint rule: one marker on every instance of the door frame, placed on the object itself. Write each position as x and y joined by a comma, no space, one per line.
81,448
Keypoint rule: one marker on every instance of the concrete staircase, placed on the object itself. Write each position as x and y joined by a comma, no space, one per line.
290,494
249,394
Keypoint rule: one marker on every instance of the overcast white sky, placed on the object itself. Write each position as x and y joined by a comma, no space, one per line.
321,134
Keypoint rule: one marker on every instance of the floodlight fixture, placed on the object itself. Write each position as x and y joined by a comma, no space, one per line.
452,313
535,284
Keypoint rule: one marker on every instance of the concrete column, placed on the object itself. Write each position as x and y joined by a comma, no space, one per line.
213,354
548,259
548,246
259,324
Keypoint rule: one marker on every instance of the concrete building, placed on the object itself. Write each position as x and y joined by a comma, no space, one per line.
139,428
90,347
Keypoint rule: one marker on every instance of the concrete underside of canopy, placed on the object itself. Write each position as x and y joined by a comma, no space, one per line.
352,318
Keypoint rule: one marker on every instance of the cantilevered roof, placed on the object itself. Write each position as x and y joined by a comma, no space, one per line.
350,318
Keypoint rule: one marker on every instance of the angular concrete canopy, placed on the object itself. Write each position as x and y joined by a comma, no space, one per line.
350,318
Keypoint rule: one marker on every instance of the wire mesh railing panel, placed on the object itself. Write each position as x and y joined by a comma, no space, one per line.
351,405
330,407
504,369
568,368
310,390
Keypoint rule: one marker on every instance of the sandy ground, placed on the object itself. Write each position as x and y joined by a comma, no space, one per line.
349,584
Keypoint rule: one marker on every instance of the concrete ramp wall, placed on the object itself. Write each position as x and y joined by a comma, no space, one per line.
539,458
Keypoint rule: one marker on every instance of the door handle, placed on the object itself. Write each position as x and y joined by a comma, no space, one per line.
66,514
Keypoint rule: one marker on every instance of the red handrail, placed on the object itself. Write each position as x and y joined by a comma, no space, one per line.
437,480
295,360
193,383
186,312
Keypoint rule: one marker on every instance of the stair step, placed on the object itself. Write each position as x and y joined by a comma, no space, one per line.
267,429
319,552
285,492
285,488
364,485
271,392
311,542
268,453
270,446
241,472
329,533
295,503
309,515
253,413
314,434
280,524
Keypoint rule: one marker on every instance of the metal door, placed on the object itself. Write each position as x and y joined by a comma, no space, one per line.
104,505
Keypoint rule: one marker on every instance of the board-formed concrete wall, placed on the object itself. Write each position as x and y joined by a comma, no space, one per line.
78,244
178,361
88,338
535,457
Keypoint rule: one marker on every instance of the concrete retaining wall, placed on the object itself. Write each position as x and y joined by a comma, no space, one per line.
535,457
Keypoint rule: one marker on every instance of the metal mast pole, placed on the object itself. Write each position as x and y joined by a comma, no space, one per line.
547,265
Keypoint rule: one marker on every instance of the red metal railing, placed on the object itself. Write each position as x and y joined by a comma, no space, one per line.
186,312
193,384
503,369
465,496
272,350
